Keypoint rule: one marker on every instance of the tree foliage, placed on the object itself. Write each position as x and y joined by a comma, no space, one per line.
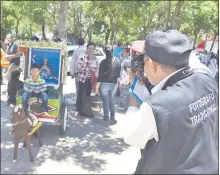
107,21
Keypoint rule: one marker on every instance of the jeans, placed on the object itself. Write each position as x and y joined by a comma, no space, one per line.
42,95
85,89
107,92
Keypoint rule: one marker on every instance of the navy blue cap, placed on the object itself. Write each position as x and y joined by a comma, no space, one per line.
169,48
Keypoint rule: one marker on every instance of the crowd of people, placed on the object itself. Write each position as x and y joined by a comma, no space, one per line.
175,124
104,79
176,120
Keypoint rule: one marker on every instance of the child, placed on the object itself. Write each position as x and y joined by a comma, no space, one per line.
13,86
35,86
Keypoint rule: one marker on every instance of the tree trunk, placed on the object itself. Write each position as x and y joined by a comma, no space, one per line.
112,31
60,30
112,37
1,3
115,36
30,30
213,42
206,37
90,35
74,26
176,14
194,42
167,14
86,33
16,28
107,34
43,32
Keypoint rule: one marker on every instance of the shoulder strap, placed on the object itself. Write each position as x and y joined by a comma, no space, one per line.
184,73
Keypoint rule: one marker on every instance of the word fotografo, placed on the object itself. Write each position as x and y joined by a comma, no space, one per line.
208,106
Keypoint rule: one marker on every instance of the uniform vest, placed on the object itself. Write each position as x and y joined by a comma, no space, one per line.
186,115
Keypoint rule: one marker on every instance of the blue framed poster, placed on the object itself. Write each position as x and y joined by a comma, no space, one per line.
50,61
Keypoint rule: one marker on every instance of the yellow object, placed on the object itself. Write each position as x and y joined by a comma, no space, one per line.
11,132
35,128
4,62
32,131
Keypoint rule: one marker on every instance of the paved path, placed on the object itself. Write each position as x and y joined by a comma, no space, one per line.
88,146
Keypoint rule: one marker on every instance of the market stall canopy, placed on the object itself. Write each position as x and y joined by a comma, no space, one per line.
207,45
201,45
199,49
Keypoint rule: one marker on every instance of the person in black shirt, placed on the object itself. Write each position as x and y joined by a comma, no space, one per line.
109,72
14,85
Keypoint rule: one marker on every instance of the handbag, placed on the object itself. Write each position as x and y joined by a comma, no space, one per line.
85,108
95,103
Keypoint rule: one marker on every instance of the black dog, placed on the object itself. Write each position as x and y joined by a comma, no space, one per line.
13,86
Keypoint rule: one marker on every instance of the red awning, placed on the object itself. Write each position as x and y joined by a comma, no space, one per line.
199,49
201,44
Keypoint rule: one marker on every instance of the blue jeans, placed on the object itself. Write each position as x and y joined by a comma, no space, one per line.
42,95
107,92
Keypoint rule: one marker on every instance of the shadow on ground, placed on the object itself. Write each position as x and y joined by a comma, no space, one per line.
84,144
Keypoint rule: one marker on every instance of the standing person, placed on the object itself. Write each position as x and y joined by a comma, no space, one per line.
12,50
117,53
14,56
176,127
87,68
124,84
73,64
118,50
109,72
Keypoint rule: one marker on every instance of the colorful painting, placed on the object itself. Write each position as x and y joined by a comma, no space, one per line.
36,107
50,61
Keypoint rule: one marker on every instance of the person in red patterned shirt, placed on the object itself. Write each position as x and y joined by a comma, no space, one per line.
88,68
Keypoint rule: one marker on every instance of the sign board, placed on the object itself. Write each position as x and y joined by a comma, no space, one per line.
50,61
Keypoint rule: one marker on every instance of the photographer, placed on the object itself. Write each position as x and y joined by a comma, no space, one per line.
176,127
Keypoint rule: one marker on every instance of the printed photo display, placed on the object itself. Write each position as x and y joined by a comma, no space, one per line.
50,62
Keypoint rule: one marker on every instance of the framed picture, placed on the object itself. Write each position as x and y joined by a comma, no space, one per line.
49,60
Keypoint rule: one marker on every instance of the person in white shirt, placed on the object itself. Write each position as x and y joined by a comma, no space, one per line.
168,127
73,64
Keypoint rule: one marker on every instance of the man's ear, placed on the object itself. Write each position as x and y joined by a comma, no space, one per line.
153,65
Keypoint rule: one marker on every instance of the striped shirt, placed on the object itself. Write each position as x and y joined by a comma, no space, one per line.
30,85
